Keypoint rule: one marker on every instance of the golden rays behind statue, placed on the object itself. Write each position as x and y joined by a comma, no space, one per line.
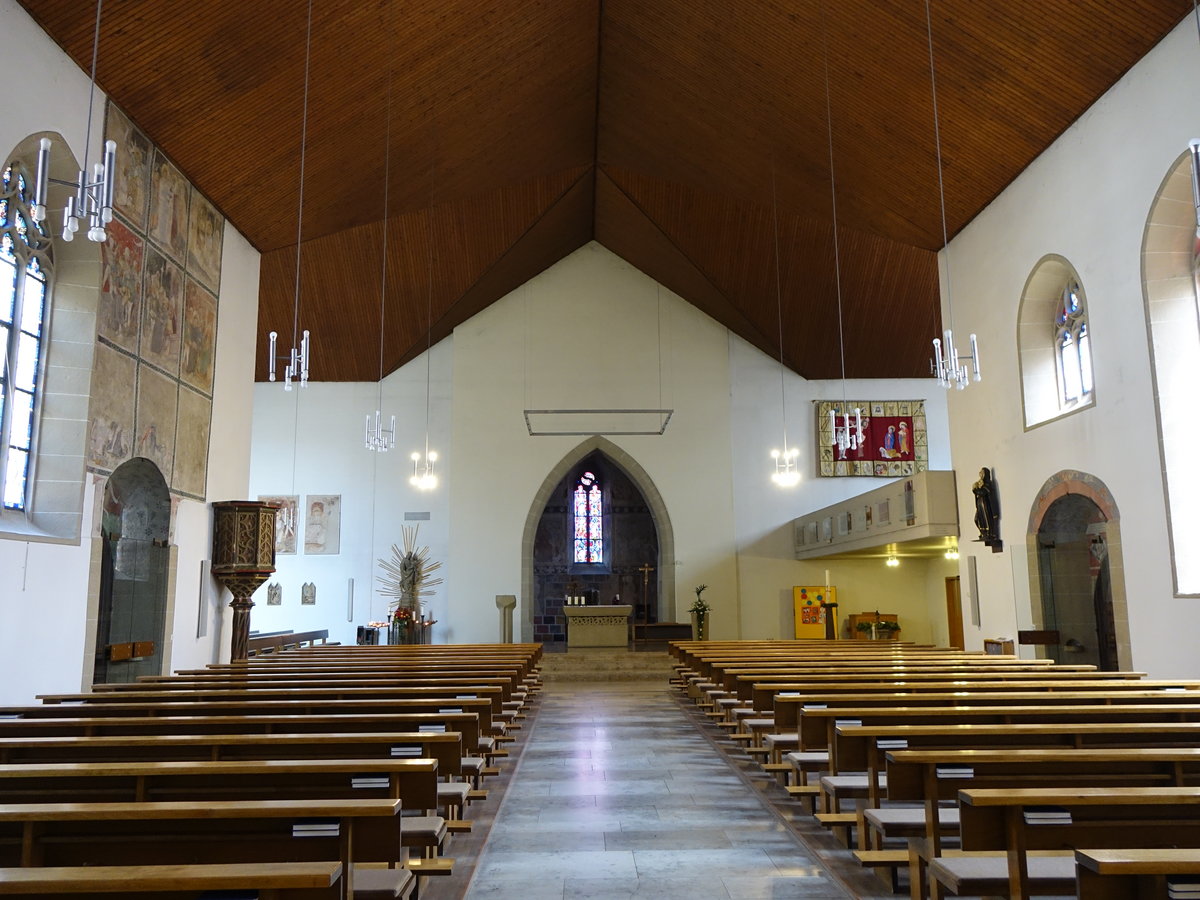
406,581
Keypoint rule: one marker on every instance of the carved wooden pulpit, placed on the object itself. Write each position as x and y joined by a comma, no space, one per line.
243,557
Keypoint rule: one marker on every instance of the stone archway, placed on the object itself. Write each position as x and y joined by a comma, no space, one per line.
131,602
658,510
1074,535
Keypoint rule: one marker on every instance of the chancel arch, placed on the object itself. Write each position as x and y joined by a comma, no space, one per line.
547,542
1076,572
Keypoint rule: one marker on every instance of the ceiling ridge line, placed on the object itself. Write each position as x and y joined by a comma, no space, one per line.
405,358
691,262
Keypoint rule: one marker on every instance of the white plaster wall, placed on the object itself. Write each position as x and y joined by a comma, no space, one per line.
44,587
323,425
1086,198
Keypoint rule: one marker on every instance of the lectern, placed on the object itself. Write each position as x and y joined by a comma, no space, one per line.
243,557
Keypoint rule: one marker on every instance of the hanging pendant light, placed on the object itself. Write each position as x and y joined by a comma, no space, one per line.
375,436
298,355
423,477
93,199
787,473
947,365
847,434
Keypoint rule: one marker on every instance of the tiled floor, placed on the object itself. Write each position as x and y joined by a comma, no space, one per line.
619,793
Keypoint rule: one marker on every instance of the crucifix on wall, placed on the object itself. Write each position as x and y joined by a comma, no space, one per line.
643,615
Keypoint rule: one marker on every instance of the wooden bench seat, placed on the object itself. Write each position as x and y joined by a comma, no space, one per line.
1124,873
285,881
987,876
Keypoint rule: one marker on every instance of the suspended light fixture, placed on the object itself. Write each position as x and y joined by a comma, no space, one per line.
298,356
787,473
375,436
93,199
892,562
847,434
947,364
423,476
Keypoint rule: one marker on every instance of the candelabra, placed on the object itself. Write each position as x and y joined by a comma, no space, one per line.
297,367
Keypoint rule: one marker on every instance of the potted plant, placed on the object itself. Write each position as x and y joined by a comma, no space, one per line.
699,611
880,630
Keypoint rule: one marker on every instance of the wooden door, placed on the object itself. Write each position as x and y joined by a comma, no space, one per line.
954,623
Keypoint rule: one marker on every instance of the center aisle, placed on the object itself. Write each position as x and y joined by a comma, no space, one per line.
618,794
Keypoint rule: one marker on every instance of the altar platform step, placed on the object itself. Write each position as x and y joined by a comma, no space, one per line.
603,664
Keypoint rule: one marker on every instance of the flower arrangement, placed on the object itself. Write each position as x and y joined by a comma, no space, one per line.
700,607
882,627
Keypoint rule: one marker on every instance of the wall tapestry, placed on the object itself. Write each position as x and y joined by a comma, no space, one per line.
894,439
152,378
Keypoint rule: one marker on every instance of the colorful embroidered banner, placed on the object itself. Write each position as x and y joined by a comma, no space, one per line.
894,440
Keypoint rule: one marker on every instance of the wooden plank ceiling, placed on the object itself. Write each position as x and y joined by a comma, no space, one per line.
514,131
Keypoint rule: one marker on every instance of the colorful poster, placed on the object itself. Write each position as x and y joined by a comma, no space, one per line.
893,439
808,604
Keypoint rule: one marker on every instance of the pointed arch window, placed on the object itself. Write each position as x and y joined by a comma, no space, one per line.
1074,348
26,269
588,509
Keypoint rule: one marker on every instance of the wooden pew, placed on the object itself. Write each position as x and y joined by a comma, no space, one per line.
447,690
930,776
278,881
137,833
1019,821
1124,873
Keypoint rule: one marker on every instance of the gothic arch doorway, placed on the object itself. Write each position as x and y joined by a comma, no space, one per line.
135,566
1075,564
540,574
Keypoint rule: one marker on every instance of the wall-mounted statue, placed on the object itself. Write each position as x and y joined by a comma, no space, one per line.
987,511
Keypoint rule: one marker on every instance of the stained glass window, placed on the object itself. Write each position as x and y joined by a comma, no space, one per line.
26,267
589,520
1073,347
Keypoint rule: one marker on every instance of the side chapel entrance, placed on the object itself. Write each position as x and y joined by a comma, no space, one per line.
1075,541
134,573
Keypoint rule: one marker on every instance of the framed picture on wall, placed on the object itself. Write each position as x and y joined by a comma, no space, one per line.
285,520
894,441
323,524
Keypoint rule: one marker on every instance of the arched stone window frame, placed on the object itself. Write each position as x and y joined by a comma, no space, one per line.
1169,254
1042,322
54,512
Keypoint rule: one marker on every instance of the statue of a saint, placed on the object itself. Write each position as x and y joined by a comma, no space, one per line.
987,511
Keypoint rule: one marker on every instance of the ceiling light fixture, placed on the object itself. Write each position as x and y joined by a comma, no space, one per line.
375,436
947,364
92,199
298,356
423,476
892,562
847,435
786,473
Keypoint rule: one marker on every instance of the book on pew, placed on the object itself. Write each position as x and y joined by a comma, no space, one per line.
815,706
370,782
1047,815
892,744
316,828
432,729
788,694
466,697
1183,888
847,723
450,709
955,772
407,751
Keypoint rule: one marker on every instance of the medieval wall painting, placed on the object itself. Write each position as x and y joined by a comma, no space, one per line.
285,520
131,188
121,287
199,337
155,419
154,366
162,312
323,523
191,443
204,242
110,429
894,439
169,191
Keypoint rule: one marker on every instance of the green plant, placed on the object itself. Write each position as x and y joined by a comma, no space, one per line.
883,626
700,607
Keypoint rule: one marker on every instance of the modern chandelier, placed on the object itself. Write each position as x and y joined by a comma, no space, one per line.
375,436
787,473
846,435
93,199
298,355
947,365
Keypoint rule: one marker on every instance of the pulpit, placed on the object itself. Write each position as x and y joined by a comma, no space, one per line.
243,557
597,626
